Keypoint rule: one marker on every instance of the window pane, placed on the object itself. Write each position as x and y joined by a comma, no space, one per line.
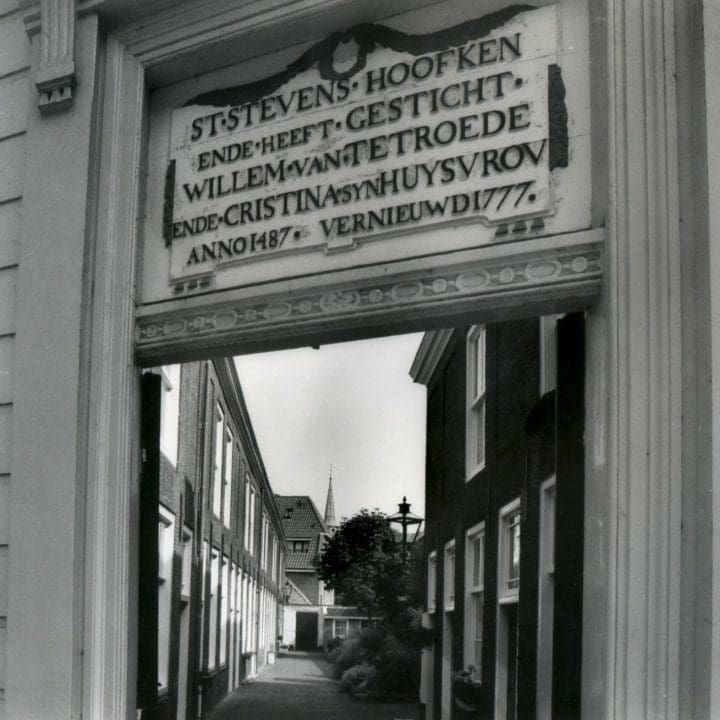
217,470
432,579
477,561
478,627
480,434
227,499
479,353
513,550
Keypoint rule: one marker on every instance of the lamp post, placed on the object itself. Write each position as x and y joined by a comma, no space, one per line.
405,518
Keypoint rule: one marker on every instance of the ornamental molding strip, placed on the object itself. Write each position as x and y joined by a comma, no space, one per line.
567,275
54,70
431,350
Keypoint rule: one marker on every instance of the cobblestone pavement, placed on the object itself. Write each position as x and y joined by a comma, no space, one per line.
299,687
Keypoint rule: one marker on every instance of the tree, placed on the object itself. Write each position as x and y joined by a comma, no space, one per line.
365,566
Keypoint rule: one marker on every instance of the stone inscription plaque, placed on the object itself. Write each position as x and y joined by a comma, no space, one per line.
373,146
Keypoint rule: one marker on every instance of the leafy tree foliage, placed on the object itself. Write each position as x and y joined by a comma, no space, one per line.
364,565
369,568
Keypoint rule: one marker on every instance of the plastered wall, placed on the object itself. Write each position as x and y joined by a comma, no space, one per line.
14,98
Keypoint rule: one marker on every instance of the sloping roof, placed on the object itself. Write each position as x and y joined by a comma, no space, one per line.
340,611
300,518
301,521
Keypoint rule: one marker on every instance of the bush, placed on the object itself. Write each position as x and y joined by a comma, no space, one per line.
335,655
358,679
397,668
351,653
373,638
332,644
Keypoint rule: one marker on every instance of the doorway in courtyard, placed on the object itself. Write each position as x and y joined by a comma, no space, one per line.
261,473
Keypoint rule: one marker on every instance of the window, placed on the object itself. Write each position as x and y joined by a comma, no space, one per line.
244,610
251,543
246,528
224,590
509,559
301,546
170,412
186,563
548,353
340,628
227,479
217,462
265,550
449,577
474,597
212,625
274,558
546,592
431,581
203,608
475,440
166,539
249,514
506,623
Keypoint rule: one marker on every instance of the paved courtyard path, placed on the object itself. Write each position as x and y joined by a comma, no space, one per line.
299,687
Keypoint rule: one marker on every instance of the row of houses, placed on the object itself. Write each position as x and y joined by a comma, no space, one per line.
212,551
226,567
504,527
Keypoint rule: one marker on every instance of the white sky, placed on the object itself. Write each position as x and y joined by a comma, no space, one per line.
352,405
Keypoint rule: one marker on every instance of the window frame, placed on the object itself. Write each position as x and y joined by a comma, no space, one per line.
303,541
218,454
213,608
473,591
546,598
475,401
431,600
223,617
336,621
166,554
227,475
510,510
449,578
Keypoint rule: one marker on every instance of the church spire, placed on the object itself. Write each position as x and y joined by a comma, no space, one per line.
330,506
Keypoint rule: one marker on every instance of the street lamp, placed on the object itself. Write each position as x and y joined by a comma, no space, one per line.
405,518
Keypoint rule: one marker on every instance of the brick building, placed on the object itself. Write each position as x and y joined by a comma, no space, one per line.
503,486
212,552
305,532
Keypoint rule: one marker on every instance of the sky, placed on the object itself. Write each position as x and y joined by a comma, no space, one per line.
352,406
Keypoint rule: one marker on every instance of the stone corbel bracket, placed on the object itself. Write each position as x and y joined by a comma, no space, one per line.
54,71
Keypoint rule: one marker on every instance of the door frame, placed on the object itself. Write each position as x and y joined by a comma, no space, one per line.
633,501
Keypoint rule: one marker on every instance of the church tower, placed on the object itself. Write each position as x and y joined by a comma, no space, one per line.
330,507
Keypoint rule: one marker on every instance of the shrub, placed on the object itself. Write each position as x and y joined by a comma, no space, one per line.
351,653
358,679
332,644
373,638
397,668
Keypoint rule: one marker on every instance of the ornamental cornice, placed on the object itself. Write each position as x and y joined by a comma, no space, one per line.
429,353
54,66
567,276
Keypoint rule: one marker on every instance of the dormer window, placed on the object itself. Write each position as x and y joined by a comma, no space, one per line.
301,546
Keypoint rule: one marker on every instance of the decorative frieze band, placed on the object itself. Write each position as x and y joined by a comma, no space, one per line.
54,71
563,275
